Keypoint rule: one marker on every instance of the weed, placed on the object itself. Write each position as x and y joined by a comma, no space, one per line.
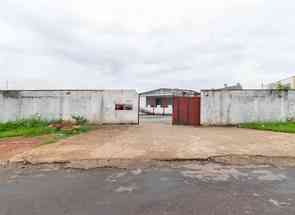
287,127
80,120
36,126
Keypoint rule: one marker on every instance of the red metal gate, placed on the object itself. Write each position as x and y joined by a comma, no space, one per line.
186,110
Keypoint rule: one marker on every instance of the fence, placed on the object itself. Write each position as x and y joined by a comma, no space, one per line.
98,106
226,107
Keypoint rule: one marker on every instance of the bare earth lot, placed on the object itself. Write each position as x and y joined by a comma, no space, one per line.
162,141
12,146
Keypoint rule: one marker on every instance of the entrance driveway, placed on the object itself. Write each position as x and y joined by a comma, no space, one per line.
163,141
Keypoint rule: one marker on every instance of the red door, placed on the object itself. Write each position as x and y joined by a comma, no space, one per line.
186,110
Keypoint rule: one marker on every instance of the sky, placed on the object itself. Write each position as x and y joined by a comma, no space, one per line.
145,44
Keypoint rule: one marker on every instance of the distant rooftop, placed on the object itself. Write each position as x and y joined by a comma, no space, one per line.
171,91
238,86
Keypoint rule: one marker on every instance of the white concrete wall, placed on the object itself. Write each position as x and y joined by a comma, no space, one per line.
238,106
98,106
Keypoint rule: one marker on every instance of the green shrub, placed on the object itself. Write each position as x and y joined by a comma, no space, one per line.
25,127
36,126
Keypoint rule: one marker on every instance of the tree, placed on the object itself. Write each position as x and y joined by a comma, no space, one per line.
281,86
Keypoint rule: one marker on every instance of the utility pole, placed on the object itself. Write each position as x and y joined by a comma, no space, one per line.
6,84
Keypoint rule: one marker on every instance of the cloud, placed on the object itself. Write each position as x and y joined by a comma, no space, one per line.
145,44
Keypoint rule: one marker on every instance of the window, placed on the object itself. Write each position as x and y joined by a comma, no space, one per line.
123,107
163,101
158,101
150,101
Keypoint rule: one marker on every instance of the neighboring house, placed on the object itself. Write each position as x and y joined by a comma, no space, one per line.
288,83
160,101
238,86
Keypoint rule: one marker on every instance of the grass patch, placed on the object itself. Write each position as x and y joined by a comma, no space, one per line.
25,127
287,127
37,127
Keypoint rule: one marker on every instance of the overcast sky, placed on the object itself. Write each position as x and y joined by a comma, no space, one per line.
145,44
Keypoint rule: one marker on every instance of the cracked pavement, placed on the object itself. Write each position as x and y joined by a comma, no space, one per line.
179,188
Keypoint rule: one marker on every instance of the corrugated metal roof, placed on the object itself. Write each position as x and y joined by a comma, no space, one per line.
170,91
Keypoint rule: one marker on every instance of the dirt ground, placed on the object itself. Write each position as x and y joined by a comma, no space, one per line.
13,146
161,141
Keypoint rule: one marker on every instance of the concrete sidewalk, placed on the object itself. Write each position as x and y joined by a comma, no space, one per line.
163,142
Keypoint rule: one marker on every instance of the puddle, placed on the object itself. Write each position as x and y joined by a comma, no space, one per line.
127,189
114,177
278,203
266,175
212,172
136,171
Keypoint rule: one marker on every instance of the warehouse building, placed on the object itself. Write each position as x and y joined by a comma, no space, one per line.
160,101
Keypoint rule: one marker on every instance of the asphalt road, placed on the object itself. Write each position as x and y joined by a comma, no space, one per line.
182,189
